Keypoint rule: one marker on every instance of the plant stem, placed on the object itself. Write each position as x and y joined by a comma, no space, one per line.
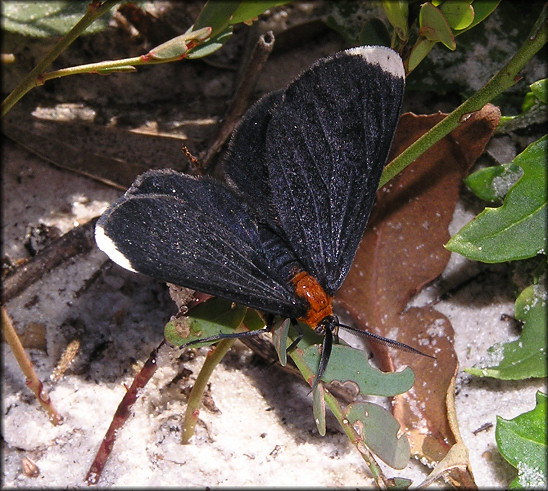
32,380
504,79
112,65
213,358
336,409
95,10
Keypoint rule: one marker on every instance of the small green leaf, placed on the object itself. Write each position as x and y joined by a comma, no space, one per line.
540,90
522,442
216,14
349,364
175,48
211,45
397,12
279,338
533,109
525,357
517,229
318,408
418,53
210,318
221,15
536,95
492,183
529,102
379,430
434,26
248,11
458,13
482,10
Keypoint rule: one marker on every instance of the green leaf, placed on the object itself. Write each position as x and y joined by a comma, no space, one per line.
492,183
540,90
434,26
529,102
522,442
175,48
211,45
379,430
279,338
458,13
47,18
318,408
207,319
397,12
247,10
533,109
216,14
525,357
220,14
418,53
482,10
517,229
349,364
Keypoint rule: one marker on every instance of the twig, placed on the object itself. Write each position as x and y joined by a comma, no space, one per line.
120,417
504,79
32,380
240,101
76,241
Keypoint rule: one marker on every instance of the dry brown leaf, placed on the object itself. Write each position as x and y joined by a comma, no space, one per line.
401,251
110,155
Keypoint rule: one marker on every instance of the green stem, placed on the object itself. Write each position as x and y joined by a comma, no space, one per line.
126,63
33,78
504,79
336,409
213,358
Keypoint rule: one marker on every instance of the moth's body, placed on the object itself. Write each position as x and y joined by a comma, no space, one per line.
302,170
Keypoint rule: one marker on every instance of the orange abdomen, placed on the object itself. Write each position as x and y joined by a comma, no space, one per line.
308,288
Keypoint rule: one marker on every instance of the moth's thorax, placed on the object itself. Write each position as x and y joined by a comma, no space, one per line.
319,303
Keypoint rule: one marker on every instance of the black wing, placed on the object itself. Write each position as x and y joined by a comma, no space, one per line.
195,233
325,145
245,162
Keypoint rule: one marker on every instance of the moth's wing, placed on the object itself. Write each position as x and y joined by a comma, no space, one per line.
195,233
326,145
245,161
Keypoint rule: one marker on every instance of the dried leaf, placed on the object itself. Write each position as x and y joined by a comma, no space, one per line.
402,250
113,156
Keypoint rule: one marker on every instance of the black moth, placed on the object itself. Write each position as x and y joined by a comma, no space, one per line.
302,169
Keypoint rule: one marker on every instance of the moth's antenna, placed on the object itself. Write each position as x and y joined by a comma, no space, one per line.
386,341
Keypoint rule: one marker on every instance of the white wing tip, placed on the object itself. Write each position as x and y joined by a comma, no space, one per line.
105,243
386,58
